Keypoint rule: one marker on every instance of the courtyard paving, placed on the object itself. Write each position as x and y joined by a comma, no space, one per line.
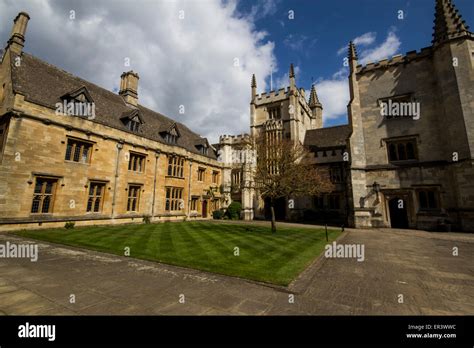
418,265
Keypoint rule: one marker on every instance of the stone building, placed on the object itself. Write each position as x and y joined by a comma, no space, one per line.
288,114
73,151
406,157
414,168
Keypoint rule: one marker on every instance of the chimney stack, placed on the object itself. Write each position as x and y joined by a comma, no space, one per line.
17,37
129,87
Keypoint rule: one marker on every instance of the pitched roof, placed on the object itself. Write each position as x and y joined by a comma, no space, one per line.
327,137
45,84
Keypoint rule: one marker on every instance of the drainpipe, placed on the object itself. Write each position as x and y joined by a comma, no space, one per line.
119,149
157,156
189,187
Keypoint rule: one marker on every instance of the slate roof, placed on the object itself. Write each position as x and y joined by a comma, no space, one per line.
328,137
45,84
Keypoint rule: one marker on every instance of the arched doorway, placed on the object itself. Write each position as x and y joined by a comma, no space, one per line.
398,212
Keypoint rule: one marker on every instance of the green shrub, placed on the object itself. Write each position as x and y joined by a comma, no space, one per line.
69,225
146,219
233,210
217,214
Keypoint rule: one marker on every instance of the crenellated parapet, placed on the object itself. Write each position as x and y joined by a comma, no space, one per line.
266,97
396,60
233,139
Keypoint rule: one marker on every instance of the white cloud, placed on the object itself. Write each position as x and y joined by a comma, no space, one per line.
334,92
365,39
263,8
362,40
186,62
385,50
334,96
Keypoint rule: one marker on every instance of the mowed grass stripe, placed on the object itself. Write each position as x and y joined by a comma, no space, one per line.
274,258
193,246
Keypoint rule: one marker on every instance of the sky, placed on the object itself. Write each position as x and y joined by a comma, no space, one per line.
198,56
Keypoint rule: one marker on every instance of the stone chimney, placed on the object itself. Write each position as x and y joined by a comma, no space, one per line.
17,37
129,87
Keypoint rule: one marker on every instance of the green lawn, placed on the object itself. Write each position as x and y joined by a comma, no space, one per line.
273,258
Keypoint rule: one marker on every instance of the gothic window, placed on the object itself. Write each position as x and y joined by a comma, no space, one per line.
176,166
174,199
236,177
428,199
136,162
78,151
335,174
96,196
274,113
402,150
133,197
215,177
201,174
194,204
43,196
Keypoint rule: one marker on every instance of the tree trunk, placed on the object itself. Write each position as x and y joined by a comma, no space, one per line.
272,209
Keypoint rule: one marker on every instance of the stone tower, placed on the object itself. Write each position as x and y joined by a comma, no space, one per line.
285,111
414,172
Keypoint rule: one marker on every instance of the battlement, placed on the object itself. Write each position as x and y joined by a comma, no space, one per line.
233,139
395,60
273,94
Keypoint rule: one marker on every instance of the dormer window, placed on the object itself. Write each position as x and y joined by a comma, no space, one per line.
77,103
202,146
133,125
170,134
171,138
203,149
132,120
